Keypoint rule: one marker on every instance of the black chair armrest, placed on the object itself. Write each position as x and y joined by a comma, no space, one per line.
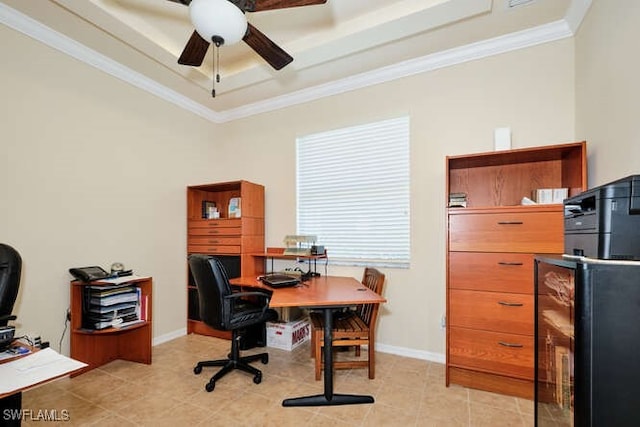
248,294
7,317
264,295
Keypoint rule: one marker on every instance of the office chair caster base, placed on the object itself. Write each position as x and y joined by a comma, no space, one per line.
265,359
257,379
197,370
210,386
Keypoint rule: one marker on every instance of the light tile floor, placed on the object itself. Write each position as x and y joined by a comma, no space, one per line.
407,392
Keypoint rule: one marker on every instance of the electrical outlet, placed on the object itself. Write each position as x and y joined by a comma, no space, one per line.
443,322
68,315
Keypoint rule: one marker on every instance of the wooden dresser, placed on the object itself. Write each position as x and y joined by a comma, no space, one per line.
490,249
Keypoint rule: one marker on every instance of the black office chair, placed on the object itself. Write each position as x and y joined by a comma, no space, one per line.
10,268
222,309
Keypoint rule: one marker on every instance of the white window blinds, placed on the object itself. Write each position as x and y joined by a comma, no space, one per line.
353,192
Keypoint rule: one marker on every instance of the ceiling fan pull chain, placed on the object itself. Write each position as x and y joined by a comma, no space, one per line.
218,65
213,66
217,42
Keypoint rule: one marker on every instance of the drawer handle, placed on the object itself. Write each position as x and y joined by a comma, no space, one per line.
510,304
510,222
509,263
213,232
214,241
510,344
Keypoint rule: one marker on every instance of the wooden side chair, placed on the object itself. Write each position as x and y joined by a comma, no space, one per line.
351,329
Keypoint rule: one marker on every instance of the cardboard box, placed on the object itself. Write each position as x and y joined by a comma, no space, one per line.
288,335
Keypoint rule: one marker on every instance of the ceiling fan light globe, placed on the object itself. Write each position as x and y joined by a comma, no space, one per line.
219,18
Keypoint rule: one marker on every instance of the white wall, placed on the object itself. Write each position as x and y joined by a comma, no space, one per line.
93,171
453,111
608,89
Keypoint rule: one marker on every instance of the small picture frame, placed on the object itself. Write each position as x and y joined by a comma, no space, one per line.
234,207
206,206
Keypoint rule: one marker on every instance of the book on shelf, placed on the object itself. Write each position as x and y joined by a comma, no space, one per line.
457,200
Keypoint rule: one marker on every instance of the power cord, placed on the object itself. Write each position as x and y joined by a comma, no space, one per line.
67,318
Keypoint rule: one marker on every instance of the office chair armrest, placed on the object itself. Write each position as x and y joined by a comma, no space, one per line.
236,295
6,317
264,295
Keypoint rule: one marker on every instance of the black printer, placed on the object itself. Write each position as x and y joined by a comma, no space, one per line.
604,222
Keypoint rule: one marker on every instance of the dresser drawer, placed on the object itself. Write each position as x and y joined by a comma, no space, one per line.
491,271
208,249
491,311
494,352
212,227
528,232
214,240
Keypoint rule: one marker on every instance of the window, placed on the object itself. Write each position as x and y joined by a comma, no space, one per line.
353,192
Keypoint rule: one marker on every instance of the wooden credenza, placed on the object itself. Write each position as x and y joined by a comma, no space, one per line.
232,240
490,251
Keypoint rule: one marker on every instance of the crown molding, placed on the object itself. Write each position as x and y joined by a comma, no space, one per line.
36,30
576,13
557,30
514,41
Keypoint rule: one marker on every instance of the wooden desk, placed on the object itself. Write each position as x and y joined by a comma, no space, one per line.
11,402
326,293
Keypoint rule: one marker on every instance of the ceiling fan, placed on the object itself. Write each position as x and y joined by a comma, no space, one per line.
223,22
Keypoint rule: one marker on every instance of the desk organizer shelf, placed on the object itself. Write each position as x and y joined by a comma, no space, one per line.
98,347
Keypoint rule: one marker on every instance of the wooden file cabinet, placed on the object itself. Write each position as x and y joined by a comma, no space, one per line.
490,254
230,239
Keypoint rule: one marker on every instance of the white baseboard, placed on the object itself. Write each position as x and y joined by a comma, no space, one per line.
170,336
410,352
383,348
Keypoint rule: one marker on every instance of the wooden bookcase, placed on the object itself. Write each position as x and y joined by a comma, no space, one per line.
491,244
98,347
233,240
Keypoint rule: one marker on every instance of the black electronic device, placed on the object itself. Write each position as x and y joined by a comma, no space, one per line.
89,274
604,222
317,250
279,280
6,336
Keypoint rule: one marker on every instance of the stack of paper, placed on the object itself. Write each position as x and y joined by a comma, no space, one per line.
111,306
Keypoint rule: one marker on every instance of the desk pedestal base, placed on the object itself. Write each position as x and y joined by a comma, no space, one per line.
321,400
328,398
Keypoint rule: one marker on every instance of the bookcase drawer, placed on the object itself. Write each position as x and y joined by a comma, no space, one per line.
214,240
491,311
491,271
212,249
215,228
528,232
494,352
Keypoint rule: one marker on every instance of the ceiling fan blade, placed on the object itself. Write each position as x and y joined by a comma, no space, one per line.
184,2
195,50
271,52
259,5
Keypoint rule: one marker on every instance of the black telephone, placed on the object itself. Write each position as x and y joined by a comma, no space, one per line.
89,274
